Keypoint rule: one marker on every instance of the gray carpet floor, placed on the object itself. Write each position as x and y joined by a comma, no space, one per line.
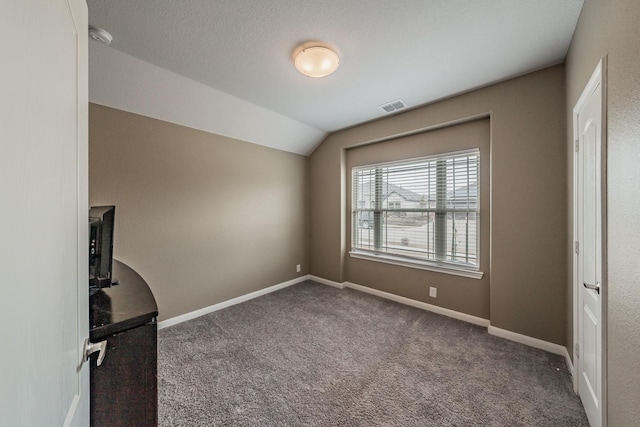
313,355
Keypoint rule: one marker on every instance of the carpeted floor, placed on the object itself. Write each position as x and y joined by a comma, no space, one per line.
313,355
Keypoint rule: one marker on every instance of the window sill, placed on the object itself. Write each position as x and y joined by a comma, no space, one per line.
390,259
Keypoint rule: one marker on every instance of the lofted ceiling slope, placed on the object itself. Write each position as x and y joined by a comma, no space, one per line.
415,50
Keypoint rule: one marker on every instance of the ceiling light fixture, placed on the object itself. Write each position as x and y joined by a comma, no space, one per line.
316,61
100,35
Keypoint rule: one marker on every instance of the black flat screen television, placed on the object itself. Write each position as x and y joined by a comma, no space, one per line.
101,227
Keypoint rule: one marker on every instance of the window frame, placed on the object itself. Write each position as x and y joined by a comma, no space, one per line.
437,260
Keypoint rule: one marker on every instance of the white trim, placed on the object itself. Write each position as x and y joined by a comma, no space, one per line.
390,259
568,361
419,304
527,340
492,330
575,244
206,310
502,333
327,282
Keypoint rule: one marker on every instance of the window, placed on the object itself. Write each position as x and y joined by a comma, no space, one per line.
423,211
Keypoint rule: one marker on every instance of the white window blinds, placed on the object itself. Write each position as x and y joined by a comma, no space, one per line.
424,210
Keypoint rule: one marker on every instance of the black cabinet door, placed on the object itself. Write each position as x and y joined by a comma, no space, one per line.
124,388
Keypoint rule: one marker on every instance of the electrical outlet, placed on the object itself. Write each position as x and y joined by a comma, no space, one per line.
433,292
298,268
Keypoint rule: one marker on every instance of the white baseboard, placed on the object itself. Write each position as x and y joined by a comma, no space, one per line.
534,342
502,333
527,340
327,282
206,310
419,304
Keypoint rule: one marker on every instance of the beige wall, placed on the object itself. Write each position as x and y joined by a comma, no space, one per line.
415,283
528,265
610,28
203,218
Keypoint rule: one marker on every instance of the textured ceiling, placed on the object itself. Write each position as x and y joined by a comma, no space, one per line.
415,50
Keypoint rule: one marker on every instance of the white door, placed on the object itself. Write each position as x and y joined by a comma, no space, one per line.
43,213
589,283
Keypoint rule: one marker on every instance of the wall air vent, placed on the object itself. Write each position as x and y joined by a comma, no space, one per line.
392,106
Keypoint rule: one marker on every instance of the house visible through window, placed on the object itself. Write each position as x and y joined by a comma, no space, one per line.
424,211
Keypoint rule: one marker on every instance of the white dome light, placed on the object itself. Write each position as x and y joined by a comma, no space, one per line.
317,61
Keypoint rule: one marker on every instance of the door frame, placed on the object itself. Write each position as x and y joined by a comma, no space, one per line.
78,414
599,76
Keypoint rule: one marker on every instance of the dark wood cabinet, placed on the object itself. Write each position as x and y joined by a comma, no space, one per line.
123,389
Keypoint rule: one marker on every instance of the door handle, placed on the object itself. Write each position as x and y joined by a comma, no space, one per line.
595,287
90,348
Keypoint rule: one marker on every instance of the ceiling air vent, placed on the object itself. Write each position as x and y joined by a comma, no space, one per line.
392,106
